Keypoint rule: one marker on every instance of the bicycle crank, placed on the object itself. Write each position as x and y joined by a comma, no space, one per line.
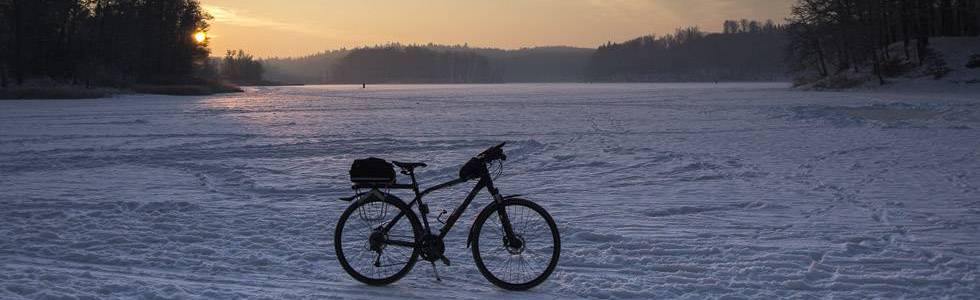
432,248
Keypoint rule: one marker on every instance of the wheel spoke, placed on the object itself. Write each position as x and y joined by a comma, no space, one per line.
524,268
498,228
516,266
395,264
396,252
526,217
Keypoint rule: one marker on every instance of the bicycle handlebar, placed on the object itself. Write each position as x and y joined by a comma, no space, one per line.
493,153
477,166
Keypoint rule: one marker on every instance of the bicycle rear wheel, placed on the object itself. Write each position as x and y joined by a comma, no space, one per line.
366,250
522,266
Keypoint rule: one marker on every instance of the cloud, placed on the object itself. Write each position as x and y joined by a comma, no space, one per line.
689,12
630,10
227,16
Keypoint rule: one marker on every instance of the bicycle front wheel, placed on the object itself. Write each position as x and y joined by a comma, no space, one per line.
521,264
375,240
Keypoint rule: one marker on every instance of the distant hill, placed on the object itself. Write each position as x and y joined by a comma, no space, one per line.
411,64
432,63
540,64
746,51
311,69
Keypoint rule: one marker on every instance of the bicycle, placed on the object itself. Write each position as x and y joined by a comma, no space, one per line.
517,250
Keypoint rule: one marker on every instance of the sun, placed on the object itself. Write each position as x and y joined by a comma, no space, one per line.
200,37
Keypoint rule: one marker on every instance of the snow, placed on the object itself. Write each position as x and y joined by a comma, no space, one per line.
955,52
740,190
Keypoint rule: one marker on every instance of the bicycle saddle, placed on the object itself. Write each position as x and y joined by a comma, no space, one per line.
409,166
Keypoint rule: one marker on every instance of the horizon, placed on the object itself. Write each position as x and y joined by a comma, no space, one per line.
464,45
307,27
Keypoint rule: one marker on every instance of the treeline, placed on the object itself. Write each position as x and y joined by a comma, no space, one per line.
745,50
829,37
241,68
100,42
311,69
432,63
411,64
538,64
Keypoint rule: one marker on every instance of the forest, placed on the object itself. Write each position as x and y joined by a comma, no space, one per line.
240,67
100,42
745,51
432,63
411,64
537,64
830,37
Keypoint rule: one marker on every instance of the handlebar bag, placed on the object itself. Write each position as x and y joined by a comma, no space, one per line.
372,170
472,169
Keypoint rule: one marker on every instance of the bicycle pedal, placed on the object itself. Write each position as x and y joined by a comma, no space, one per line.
445,260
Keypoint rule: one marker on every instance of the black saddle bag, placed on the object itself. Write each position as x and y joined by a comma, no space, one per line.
372,170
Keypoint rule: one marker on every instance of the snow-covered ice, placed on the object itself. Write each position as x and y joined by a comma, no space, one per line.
660,190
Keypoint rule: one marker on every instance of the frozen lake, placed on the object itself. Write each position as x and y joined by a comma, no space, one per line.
660,190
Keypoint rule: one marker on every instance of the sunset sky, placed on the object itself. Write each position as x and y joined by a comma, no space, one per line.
300,27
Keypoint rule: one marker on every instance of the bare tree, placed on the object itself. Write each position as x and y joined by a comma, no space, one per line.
860,31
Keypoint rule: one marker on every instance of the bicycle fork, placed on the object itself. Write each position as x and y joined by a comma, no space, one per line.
512,240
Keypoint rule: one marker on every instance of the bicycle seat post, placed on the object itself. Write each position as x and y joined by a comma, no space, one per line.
415,183
423,209
409,169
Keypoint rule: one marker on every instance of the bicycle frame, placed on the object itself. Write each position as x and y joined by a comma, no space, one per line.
485,182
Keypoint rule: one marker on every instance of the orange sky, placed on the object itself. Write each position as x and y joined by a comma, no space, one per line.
299,27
